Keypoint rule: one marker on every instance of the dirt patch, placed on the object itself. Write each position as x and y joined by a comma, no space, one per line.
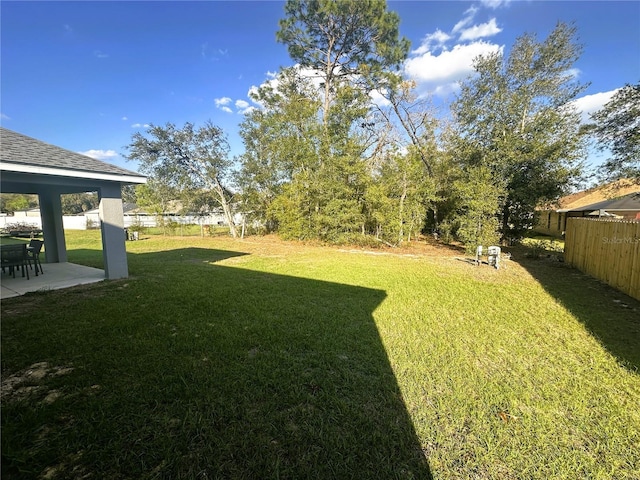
272,245
70,467
30,381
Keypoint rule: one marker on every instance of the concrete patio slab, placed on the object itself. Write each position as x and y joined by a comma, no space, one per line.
55,276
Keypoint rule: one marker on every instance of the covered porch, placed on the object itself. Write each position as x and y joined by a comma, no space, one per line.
31,166
55,276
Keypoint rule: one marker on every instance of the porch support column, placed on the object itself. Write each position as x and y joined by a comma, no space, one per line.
112,226
55,247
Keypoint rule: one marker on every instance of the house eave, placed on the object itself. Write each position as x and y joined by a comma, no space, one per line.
61,172
580,210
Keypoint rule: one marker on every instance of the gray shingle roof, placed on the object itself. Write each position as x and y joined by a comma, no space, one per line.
20,149
626,202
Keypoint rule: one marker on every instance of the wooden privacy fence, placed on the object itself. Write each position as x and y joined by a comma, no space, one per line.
606,249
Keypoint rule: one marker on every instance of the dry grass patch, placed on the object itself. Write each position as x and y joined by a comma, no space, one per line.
31,381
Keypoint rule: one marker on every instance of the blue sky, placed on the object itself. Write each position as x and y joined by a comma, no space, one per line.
87,75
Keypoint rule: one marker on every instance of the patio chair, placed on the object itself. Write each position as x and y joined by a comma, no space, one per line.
14,256
33,254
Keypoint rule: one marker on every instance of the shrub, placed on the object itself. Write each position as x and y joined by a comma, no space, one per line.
92,224
21,227
136,226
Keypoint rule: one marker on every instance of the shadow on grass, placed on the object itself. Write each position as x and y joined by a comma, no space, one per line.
191,369
610,315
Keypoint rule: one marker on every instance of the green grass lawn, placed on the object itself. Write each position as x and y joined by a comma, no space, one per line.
263,359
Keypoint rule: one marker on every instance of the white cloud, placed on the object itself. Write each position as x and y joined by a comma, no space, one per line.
209,53
470,13
4,117
446,89
99,54
273,80
494,3
592,103
480,31
437,66
247,110
449,66
125,118
438,38
253,90
314,76
224,104
379,99
140,125
243,107
574,72
220,102
100,154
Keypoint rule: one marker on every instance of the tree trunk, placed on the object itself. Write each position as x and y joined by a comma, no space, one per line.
505,221
229,217
226,209
411,131
436,223
401,209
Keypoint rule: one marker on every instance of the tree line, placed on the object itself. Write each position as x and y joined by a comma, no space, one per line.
323,160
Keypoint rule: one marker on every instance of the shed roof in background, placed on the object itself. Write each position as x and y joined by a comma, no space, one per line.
630,202
599,194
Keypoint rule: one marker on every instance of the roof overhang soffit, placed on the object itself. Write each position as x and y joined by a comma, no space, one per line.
18,182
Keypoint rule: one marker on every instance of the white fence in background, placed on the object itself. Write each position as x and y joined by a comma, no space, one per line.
74,222
81,222
70,222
